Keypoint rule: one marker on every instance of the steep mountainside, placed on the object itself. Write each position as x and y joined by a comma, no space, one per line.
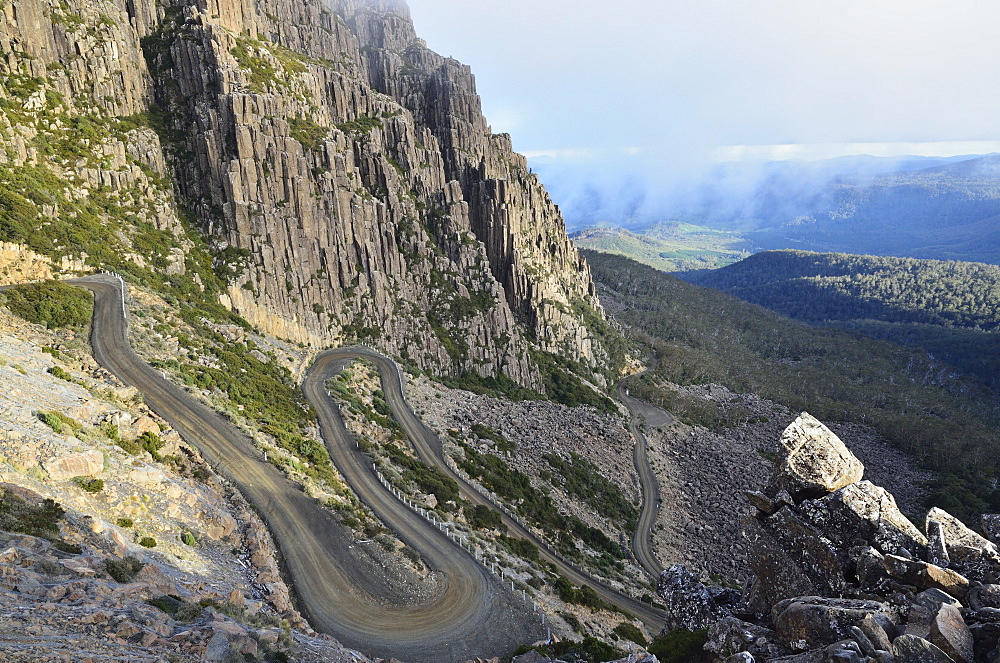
315,168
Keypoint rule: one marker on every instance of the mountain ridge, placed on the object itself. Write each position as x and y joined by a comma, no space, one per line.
336,176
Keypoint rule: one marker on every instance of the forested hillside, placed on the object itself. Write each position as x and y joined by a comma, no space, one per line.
921,404
949,308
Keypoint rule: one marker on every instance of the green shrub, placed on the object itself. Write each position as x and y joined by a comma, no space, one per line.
21,516
483,517
146,442
590,649
167,604
61,373
123,570
188,539
89,484
631,632
147,542
680,646
487,433
53,304
582,480
59,422
188,612
125,522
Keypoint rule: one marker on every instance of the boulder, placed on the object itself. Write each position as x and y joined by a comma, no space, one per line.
926,576
951,635
933,599
845,651
876,633
959,539
911,649
937,549
813,621
984,596
777,575
864,512
811,551
870,570
731,636
689,605
990,523
84,463
814,461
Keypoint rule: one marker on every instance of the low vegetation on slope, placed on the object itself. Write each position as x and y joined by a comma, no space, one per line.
53,304
919,403
949,308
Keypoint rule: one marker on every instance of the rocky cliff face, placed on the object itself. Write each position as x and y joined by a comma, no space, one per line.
343,173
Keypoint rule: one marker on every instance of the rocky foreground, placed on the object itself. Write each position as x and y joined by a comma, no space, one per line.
840,575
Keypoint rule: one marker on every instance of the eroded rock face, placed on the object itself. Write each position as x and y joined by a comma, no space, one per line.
343,173
815,462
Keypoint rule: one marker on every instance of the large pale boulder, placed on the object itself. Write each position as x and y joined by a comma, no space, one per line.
814,461
84,463
960,541
951,635
926,576
866,512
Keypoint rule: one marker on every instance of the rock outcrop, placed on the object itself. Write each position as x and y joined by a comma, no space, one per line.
343,174
841,575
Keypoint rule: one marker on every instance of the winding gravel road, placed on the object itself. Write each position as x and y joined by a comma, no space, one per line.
428,447
341,593
642,540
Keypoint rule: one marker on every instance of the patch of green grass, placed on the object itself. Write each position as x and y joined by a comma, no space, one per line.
361,125
309,134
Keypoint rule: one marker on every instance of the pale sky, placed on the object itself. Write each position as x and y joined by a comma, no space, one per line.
706,80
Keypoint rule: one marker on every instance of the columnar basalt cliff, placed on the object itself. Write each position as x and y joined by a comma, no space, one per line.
346,180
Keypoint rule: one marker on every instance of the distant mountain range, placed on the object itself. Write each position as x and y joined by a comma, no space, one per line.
913,206
945,212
